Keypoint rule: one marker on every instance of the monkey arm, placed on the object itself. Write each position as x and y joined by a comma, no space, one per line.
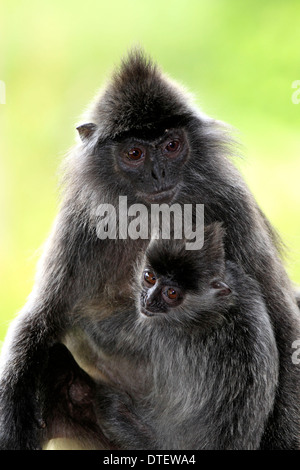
26,348
23,359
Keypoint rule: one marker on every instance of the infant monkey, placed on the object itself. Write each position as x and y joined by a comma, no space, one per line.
203,351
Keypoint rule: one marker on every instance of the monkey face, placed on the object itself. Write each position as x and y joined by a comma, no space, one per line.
184,286
153,168
162,296
158,296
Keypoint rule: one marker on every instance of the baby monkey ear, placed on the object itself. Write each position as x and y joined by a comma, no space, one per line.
86,130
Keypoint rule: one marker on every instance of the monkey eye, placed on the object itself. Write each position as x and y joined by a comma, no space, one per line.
216,284
149,278
172,146
135,154
171,295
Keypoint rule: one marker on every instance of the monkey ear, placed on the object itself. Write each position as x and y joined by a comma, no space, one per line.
86,130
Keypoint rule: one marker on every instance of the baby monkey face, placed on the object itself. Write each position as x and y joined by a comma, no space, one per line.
162,295
159,294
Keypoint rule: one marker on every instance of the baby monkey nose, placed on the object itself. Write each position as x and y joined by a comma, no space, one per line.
148,302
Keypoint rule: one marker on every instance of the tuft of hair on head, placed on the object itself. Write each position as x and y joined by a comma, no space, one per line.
171,259
141,101
138,97
213,249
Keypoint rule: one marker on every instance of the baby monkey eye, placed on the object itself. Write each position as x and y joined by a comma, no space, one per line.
171,295
135,154
149,278
172,146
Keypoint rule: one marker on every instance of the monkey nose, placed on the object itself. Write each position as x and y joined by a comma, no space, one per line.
154,174
157,172
149,301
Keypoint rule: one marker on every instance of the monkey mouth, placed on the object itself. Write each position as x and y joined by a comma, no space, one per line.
165,195
146,313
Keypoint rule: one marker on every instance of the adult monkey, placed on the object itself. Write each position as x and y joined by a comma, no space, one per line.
146,141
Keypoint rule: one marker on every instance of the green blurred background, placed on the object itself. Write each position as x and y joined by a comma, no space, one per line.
239,58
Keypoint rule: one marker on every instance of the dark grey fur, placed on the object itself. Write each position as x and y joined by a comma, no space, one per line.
204,372
77,268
